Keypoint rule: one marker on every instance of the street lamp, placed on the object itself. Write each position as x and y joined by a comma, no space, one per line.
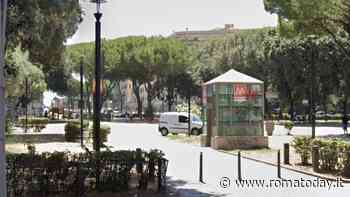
97,95
81,102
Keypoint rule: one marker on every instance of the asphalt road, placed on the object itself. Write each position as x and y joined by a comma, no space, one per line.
183,169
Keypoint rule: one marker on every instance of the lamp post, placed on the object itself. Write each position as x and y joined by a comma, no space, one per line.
81,102
97,95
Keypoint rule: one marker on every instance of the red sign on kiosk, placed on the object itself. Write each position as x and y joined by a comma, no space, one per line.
243,92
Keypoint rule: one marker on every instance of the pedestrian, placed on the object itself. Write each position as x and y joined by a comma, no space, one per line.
345,124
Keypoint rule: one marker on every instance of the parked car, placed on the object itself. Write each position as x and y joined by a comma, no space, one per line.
117,114
300,117
320,114
177,122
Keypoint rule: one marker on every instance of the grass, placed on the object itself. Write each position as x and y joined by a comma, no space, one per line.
183,138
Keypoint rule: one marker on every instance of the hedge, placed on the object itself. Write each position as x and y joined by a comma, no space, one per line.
68,174
72,130
334,155
37,124
105,130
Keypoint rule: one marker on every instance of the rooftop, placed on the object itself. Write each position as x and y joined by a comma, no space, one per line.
233,76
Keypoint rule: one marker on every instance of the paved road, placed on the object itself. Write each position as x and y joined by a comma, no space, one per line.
184,160
183,166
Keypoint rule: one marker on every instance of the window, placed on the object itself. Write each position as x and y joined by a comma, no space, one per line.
196,119
183,119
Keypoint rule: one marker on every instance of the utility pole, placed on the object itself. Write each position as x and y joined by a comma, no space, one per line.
3,10
81,103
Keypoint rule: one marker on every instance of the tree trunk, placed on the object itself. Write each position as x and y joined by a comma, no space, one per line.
149,110
136,90
291,110
88,100
266,107
149,107
170,99
345,109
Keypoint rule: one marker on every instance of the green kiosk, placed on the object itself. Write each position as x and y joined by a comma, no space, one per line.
234,112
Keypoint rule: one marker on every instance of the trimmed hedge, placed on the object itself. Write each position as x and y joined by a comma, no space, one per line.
334,155
302,146
69,174
72,130
105,130
37,124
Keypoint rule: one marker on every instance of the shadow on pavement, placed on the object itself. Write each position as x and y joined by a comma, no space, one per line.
182,188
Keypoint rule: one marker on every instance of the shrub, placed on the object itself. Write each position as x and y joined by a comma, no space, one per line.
346,160
64,173
302,146
288,125
334,155
105,130
8,127
329,155
37,124
195,109
72,130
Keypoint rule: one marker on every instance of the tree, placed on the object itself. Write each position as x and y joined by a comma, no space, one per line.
131,67
303,17
41,27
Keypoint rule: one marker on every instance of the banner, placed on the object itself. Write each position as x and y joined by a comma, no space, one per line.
243,92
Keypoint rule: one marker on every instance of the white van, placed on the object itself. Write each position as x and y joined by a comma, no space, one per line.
177,122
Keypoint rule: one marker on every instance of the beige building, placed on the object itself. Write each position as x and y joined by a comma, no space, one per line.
204,34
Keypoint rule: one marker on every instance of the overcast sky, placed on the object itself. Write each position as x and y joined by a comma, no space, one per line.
162,17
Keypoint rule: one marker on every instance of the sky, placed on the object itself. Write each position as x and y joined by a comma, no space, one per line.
162,17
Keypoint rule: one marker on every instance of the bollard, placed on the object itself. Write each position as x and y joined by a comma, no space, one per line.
279,164
201,167
315,158
286,153
139,166
159,174
239,166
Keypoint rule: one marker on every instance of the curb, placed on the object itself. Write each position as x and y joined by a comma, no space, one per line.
290,168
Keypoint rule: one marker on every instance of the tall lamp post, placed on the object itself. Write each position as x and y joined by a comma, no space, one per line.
81,103
97,95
